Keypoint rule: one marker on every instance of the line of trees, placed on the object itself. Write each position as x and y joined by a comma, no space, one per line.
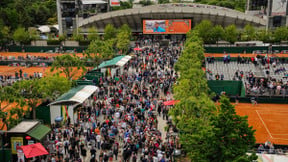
211,34
208,131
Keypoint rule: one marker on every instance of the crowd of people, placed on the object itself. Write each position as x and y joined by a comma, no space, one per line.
121,122
8,80
267,85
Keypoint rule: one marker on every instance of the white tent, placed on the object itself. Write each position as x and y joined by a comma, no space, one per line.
87,2
44,29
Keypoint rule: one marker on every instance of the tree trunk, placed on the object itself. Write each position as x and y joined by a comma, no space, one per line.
34,112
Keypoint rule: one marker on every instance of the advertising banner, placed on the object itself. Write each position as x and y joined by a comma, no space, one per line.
16,142
174,26
114,3
279,7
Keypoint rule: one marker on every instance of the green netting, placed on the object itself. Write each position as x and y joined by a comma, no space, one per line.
232,88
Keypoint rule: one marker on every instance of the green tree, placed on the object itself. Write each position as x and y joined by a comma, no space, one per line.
36,90
92,34
263,35
231,34
109,32
281,34
9,98
233,136
33,33
163,1
123,38
217,33
204,28
123,42
77,36
66,64
249,33
99,50
21,35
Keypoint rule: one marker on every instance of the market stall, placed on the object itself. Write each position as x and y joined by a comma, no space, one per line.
66,105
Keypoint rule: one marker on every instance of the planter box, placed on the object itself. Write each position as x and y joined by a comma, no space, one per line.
70,43
39,43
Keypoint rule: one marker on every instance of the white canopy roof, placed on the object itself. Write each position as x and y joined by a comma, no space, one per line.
23,127
123,61
76,95
87,2
44,29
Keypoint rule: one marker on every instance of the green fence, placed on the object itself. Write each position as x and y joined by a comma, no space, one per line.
15,48
5,155
43,113
232,88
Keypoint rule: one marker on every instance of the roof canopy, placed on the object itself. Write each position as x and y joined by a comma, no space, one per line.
117,61
39,132
76,95
23,127
87,2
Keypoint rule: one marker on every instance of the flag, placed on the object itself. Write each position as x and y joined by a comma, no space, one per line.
64,112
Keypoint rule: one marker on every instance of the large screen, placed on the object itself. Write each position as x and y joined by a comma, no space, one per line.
175,26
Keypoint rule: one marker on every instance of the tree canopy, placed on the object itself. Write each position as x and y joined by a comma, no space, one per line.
68,64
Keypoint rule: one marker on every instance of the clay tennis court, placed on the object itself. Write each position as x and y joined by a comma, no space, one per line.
269,121
10,70
24,54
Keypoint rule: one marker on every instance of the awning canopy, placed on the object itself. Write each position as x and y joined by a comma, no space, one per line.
24,127
169,103
87,2
44,29
39,132
117,61
76,95
34,150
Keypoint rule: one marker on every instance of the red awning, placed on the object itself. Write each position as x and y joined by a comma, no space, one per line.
172,102
137,49
34,150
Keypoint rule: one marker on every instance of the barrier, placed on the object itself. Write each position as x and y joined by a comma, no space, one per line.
232,88
242,49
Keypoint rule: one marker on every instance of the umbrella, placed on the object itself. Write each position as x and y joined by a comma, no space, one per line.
137,49
169,103
34,150
58,119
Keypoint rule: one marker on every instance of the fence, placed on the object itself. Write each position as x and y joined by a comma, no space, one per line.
232,88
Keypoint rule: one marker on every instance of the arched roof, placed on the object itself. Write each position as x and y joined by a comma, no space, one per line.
196,12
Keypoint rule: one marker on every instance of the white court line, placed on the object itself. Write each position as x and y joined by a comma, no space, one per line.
264,124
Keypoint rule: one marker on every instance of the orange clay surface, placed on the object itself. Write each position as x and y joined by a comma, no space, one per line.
269,121
10,70
6,108
16,54
243,55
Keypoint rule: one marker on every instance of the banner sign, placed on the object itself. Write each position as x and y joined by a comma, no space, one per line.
16,142
279,7
114,3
